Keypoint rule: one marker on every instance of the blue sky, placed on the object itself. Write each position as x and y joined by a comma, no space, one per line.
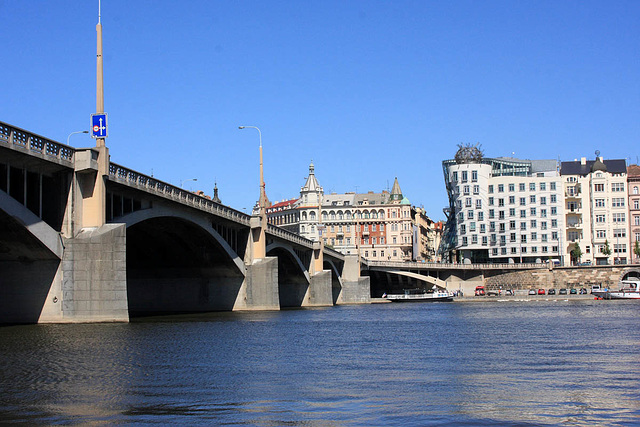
368,90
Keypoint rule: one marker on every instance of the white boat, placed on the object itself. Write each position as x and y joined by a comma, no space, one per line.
418,295
628,289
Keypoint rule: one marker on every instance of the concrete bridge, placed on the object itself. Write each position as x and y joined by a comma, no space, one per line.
83,239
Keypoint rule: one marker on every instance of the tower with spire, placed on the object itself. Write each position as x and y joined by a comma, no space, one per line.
311,194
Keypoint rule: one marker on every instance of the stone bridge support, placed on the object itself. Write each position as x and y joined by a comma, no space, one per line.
355,289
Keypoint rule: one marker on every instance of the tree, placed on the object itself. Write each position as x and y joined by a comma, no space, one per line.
576,252
636,249
606,250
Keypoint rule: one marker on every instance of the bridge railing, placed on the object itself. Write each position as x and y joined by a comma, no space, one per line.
154,186
37,145
457,266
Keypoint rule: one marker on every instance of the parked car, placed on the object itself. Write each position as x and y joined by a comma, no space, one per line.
573,291
541,292
595,288
532,291
551,292
480,291
563,291
583,291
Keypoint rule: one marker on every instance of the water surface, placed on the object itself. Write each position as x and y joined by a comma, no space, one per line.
493,363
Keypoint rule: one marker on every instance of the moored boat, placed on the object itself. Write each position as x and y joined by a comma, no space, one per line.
420,295
628,289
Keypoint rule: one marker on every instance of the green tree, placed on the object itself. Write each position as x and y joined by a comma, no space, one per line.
606,250
576,252
636,249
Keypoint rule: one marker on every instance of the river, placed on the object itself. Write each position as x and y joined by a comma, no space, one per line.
493,363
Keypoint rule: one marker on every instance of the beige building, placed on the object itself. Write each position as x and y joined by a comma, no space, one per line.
596,210
633,190
378,226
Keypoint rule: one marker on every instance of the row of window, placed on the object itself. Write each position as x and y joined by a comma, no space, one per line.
522,186
513,238
503,226
533,250
523,200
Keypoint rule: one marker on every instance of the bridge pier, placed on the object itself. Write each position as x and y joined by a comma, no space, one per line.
91,284
259,290
355,289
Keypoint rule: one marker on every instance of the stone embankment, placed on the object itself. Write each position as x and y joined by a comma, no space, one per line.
558,278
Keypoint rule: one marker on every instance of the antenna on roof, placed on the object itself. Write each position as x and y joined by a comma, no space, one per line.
597,153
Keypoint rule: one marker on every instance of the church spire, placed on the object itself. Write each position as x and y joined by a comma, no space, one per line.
396,192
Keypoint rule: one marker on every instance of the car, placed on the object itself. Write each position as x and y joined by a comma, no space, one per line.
541,292
551,292
532,291
479,291
562,291
583,291
573,291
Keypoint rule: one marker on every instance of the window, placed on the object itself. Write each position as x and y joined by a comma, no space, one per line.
554,198
554,236
514,250
543,225
619,232
532,186
491,189
554,210
636,220
617,187
503,240
512,200
512,212
617,202
492,226
512,225
474,176
465,241
500,188
467,202
502,227
500,202
553,186
543,213
554,223
533,211
512,237
523,225
474,239
465,190
476,189
503,251
543,186
523,201
512,187
543,200
492,214
618,217
534,237
464,176
545,249
532,199
523,249
636,204
483,228
600,203
534,224
534,249
501,215
543,237
619,248
523,213
490,201
494,251
601,234
480,215
635,190
470,214
521,186
478,204
598,187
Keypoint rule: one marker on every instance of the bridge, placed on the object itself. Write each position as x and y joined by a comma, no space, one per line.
83,239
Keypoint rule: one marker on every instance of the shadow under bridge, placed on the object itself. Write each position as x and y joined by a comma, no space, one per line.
179,265
387,280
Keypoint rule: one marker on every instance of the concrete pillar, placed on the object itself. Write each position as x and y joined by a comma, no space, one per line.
93,284
319,292
92,170
259,291
355,289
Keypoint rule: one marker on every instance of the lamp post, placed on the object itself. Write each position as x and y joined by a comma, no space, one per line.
185,180
73,133
261,201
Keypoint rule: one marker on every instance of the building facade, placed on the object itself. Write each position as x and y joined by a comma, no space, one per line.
503,210
378,226
633,189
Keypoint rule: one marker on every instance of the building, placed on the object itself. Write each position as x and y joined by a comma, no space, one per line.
596,212
378,226
633,188
502,210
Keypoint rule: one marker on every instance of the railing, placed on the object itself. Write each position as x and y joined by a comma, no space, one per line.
35,144
288,235
454,266
151,185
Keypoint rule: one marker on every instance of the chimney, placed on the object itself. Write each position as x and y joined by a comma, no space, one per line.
583,161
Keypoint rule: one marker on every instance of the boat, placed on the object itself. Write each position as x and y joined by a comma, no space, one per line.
420,295
628,289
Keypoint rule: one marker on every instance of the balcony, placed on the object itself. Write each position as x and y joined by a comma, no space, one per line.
574,226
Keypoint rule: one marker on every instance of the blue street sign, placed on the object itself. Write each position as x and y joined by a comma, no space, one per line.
99,125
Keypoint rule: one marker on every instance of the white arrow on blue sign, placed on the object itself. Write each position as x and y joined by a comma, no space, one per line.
99,125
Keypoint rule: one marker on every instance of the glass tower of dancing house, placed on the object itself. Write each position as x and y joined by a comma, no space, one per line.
502,210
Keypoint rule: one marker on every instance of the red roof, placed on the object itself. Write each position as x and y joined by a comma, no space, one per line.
284,204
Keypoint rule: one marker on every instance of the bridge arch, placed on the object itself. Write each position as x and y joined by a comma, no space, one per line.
630,273
293,277
177,263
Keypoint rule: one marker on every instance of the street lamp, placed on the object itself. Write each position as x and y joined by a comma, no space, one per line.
262,192
73,133
185,180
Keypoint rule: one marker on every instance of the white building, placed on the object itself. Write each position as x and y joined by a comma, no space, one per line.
503,210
